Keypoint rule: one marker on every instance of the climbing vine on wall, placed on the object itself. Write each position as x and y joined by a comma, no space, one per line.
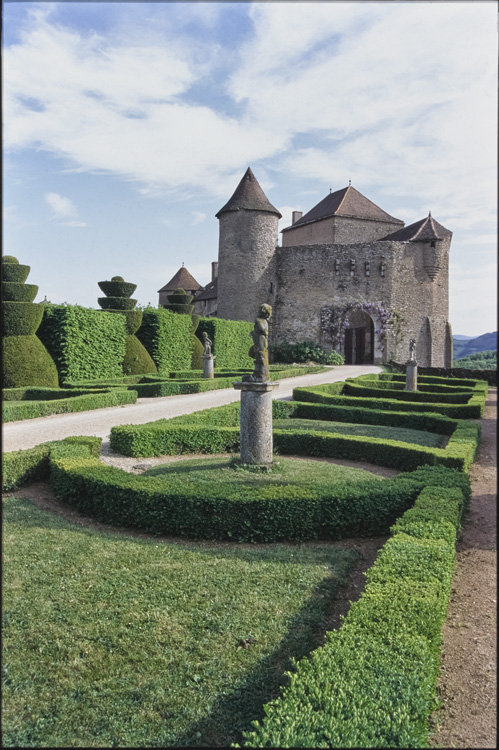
335,321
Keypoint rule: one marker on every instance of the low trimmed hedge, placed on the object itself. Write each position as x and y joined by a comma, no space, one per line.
41,402
32,465
459,373
352,389
322,395
431,380
374,682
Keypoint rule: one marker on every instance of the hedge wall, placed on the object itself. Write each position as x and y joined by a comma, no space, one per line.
39,402
85,344
231,341
167,338
455,372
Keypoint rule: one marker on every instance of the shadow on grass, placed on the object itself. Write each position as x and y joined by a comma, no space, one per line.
233,713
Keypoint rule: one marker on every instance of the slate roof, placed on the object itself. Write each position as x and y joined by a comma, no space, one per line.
209,292
346,202
182,280
421,231
249,196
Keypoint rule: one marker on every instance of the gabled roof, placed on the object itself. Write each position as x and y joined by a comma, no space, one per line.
209,292
182,280
249,196
421,231
347,202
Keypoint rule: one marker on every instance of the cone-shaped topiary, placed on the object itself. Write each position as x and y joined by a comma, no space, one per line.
137,360
25,359
180,302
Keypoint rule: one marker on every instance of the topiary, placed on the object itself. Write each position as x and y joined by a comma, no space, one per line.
137,360
25,359
180,302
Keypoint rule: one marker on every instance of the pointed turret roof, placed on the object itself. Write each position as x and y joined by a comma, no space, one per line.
421,231
249,196
182,280
346,202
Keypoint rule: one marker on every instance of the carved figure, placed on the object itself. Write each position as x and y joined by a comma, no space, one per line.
207,345
260,349
412,349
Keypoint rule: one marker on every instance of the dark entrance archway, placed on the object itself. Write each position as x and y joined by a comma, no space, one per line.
359,340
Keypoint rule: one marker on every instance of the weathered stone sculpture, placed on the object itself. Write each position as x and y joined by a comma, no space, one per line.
208,358
411,374
260,349
256,398
207,345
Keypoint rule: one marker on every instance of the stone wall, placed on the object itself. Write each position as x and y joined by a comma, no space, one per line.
308,278
246,255
338,229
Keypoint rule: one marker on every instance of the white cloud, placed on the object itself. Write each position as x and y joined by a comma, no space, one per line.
198,217
75,224
60,206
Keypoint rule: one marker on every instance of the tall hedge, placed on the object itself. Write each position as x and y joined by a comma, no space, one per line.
25,360
231,341
180,302
85,344
167,338
137,359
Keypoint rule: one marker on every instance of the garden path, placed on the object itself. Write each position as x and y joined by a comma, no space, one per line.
31,432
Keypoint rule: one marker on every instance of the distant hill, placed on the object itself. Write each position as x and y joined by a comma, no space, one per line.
480,361
464,346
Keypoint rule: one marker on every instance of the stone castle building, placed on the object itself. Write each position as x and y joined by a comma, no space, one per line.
347,275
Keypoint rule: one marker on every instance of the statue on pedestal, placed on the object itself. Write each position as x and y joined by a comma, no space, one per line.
207,345
260,349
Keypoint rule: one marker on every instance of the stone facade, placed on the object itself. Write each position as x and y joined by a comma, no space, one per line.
375,261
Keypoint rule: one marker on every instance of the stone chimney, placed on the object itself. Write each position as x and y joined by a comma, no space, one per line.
296,215
214,270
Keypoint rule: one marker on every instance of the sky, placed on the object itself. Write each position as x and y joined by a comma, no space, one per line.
128,125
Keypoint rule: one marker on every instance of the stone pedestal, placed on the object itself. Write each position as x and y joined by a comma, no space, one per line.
256,422
411,375
208,366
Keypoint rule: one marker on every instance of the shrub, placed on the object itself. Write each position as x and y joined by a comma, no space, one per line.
26,361
231,341
305,351
40,404
167,338
85,344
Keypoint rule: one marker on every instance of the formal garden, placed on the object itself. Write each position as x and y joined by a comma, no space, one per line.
203,621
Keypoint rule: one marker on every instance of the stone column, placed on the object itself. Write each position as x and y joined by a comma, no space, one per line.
411,375
256,422
208,366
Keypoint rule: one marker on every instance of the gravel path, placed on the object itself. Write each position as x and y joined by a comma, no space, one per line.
31,432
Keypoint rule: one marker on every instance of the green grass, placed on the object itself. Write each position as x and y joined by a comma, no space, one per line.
287,471
429,439
112,641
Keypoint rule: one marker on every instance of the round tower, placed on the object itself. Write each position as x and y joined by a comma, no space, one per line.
246,251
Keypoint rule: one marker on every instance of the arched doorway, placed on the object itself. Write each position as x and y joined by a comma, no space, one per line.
359,339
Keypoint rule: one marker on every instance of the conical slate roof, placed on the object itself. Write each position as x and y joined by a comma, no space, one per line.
250,197
347,202
181,280
421,231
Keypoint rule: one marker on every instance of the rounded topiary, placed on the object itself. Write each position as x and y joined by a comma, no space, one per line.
137,360
15,272
117,303
26,362
15,291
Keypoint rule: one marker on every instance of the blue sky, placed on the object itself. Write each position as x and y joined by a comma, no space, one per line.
127,126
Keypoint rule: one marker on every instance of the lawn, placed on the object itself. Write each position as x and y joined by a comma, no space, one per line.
114,641
429,439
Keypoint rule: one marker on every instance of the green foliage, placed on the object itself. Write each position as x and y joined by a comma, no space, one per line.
231,341
9,259
459,373
481,361
117,287
353,389
137,359
15,291
180,302
27,362
32,465
43,402
85,344
374,682
133,321
21,318
117,303
15,272
305,351
167,338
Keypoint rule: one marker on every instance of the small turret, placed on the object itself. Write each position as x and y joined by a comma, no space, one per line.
435,240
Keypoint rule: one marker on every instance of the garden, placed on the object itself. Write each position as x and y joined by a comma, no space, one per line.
194,607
